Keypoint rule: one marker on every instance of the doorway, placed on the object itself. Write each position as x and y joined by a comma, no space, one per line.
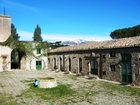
69,64
61,66
38,65
80,65
126,69
94,67
16,57
54,64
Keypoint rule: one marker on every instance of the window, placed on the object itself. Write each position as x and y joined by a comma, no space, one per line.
38,50
112,54
112,67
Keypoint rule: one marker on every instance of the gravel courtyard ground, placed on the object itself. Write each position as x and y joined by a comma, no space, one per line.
13,87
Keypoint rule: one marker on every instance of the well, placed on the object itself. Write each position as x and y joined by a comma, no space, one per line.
47,83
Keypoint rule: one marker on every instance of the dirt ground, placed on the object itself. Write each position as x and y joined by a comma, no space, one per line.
13,83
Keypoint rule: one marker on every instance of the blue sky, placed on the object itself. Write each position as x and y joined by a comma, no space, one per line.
71,19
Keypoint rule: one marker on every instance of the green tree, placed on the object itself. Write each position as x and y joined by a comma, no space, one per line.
37,34
126,32
14,33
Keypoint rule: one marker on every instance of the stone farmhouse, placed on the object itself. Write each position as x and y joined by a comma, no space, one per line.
11,59
114,60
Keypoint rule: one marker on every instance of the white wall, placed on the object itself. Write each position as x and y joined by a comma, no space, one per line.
31,60
5,52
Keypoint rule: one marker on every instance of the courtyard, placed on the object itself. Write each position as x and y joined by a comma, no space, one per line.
16,89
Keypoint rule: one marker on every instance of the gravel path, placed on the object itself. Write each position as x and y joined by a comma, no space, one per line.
12,83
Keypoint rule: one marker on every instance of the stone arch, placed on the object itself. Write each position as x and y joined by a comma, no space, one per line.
80,65
60,64
54,63
69,60
18,59
49,61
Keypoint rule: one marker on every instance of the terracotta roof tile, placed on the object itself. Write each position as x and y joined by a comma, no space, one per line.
115,43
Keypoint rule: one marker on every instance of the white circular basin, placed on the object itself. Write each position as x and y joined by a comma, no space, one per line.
47,83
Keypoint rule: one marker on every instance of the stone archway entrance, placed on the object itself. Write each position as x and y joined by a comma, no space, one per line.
17,59
69,64
93,65
80,65
61,64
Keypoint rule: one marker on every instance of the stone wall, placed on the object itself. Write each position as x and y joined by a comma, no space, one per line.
5,58
66,58
136,67
103,59
5,51
107,61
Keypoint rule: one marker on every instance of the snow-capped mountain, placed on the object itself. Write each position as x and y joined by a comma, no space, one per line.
75,42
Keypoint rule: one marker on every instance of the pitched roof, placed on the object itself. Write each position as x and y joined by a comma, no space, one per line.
115,43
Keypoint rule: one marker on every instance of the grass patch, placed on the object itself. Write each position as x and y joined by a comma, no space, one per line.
73,77
7,100
51,93
121,88
64,94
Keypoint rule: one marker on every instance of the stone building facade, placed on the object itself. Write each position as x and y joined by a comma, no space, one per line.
5,51
38,60
12,59
115,60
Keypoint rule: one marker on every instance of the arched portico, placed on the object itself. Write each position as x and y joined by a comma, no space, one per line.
17,59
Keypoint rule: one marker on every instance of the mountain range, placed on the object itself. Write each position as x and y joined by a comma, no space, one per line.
75,42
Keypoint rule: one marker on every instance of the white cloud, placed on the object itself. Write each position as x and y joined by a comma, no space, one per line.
19,5
68,37
63,37
25,35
